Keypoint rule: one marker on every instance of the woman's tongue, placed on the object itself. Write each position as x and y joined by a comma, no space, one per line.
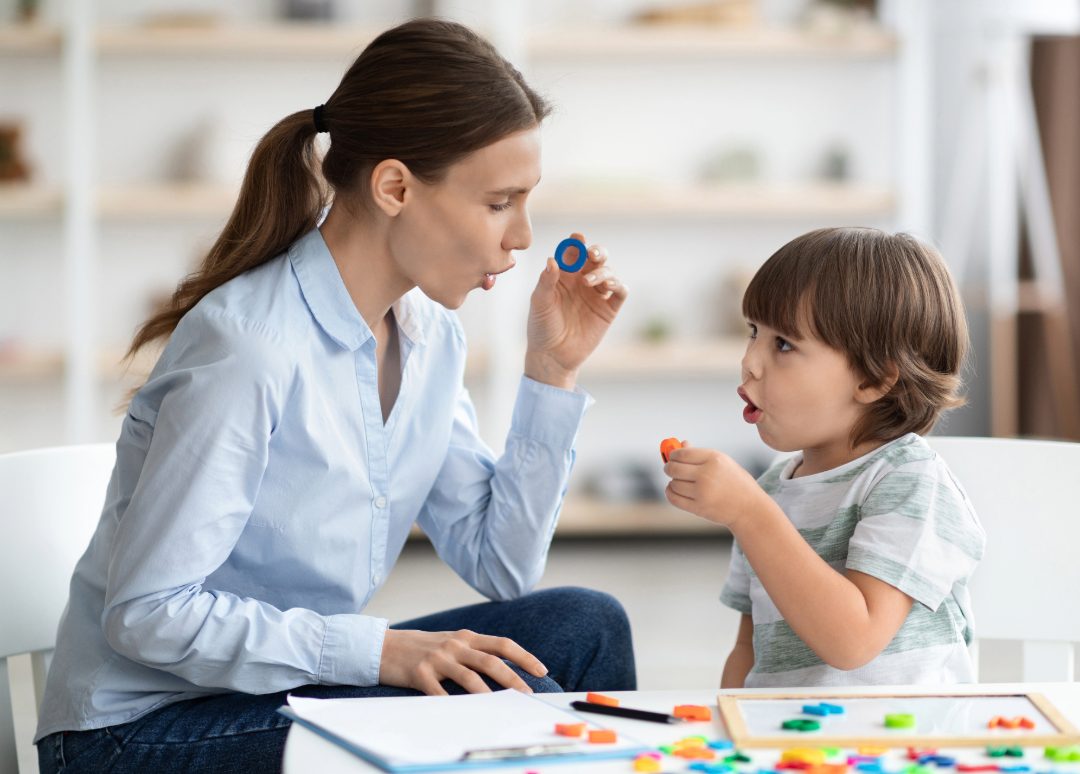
489,281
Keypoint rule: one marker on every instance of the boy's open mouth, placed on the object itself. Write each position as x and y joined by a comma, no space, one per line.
751,413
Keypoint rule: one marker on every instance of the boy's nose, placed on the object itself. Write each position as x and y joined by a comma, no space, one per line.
751,363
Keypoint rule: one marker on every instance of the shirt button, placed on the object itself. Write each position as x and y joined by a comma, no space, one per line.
380,502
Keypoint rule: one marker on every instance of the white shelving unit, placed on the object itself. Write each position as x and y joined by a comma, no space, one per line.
635,377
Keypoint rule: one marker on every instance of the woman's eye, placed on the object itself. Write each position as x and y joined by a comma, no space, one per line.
499,207
753,331
782,344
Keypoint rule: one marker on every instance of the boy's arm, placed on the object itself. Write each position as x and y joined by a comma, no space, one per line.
846,619
741,659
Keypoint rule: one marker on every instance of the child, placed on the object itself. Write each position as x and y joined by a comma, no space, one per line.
852,557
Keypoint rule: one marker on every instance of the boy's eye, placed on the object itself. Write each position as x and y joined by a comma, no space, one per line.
499,207
782,344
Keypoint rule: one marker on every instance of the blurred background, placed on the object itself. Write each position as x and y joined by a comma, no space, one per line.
692,138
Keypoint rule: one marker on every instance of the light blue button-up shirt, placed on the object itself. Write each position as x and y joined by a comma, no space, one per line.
259,501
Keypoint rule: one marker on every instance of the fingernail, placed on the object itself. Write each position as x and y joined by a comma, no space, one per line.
590,277
611,283
595,251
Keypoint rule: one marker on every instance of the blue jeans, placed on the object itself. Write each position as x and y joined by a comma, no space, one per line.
581,636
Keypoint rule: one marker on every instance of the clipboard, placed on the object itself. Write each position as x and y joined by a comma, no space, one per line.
453,733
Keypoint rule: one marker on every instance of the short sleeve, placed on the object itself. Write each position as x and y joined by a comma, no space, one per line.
736,591
917,531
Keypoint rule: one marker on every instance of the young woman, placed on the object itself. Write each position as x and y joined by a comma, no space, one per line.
308,408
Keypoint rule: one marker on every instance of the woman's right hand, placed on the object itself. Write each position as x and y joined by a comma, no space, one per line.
422,660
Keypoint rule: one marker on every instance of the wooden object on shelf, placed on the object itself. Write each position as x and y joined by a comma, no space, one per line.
13,167
718,12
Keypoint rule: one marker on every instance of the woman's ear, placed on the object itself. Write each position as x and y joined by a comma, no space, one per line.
868,392
389,182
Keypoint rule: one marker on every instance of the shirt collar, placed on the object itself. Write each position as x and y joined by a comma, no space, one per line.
329,300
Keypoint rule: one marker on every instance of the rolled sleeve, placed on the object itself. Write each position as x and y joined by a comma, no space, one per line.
352,650
549,415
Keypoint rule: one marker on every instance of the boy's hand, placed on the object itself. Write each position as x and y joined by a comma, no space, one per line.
711,485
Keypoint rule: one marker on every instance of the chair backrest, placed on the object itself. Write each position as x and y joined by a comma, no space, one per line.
1027,496
50,503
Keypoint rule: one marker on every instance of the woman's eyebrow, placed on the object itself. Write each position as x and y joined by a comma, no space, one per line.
511,190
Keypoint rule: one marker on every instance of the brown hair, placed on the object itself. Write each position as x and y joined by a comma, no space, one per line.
427,93
884,300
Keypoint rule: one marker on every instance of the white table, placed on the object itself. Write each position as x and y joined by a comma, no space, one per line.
307,752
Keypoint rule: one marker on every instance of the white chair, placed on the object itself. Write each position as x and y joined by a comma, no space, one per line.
1027,495
52,499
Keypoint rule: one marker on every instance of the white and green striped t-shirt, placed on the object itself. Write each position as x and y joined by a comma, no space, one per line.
897,514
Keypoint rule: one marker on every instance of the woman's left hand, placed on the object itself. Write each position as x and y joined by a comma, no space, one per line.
569,315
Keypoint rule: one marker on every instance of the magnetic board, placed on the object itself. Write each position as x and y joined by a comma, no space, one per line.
941,720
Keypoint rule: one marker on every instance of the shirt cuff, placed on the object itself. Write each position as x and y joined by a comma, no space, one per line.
549,415
352,650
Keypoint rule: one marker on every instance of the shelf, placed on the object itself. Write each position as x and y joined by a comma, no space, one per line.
632,200
321,40
21,200
166,200
720,357
699,41
29,39
743,200
129,202
35,367
312,39
590,516
687,359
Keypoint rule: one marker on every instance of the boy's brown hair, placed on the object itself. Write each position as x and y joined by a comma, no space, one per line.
883,300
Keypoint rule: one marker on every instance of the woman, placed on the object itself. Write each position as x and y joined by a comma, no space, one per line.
308,408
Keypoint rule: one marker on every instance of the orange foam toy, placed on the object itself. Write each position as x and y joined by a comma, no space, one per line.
602,736
599,698
692,712
668,445
569,729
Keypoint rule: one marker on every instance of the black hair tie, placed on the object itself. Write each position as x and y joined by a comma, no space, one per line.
320,119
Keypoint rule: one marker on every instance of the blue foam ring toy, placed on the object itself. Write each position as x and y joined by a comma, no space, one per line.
582,253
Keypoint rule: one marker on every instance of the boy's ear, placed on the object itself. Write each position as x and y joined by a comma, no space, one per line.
868,392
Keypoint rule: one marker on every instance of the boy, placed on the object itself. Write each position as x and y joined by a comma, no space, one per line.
852,557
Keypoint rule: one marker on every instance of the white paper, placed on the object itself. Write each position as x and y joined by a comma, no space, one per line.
440,729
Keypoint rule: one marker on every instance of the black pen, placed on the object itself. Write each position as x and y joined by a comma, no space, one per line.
625,712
